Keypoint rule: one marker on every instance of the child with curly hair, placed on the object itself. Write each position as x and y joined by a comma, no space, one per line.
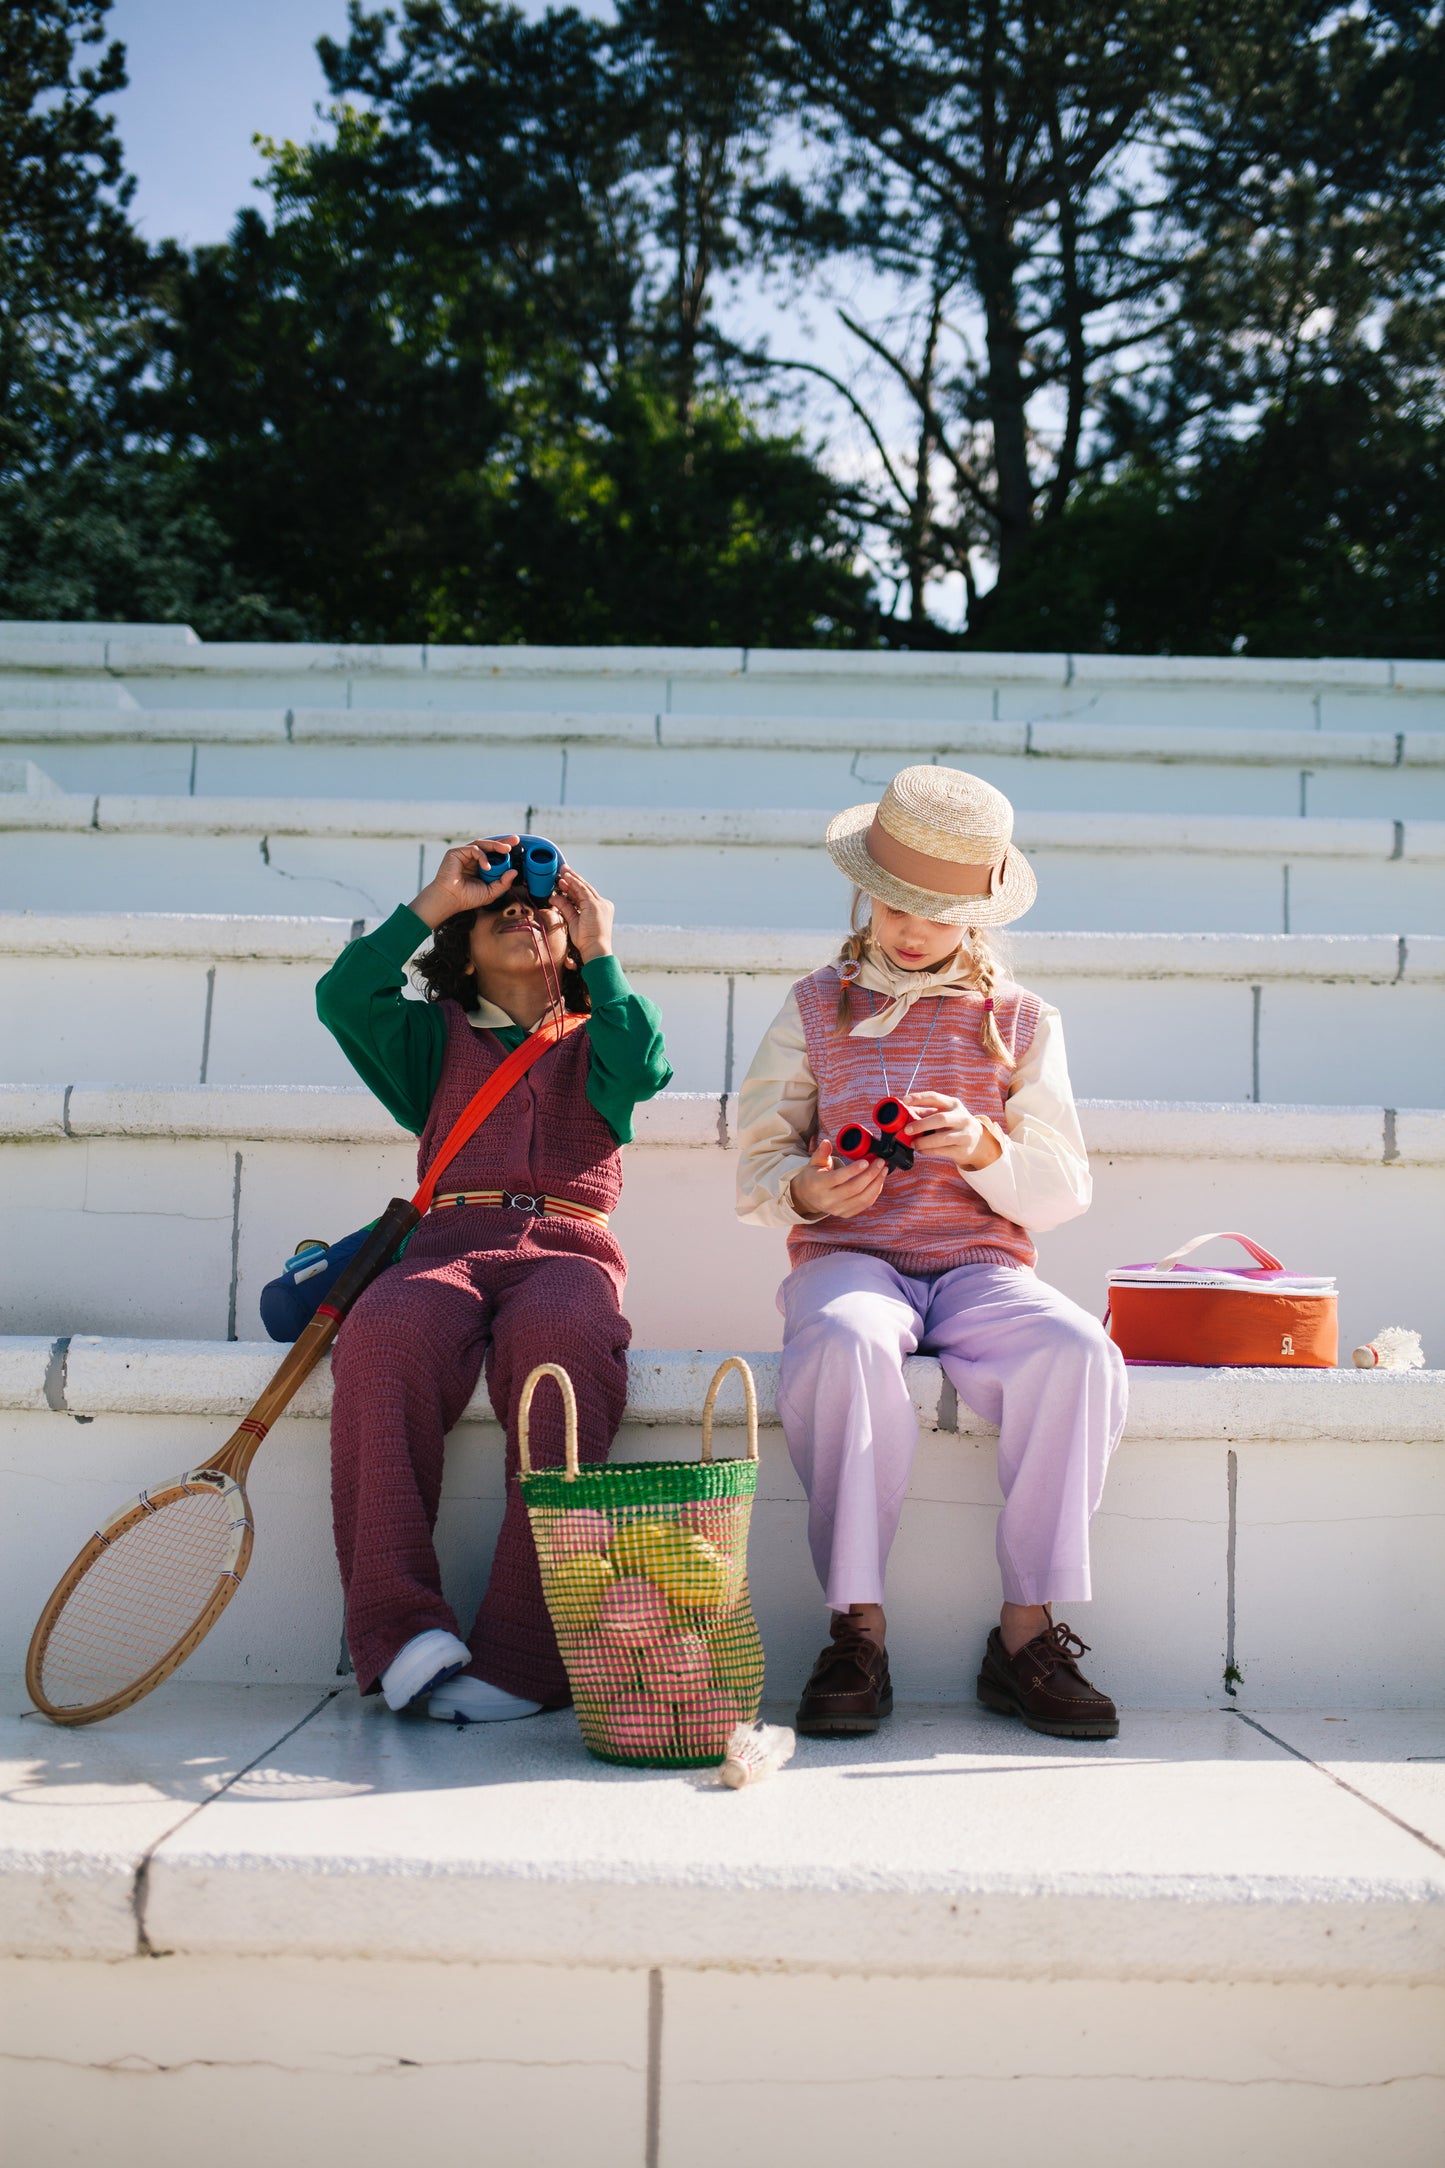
514,1265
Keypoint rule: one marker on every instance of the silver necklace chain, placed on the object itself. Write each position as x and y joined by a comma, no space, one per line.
889,1092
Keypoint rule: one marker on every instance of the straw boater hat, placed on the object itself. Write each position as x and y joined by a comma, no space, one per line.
939,845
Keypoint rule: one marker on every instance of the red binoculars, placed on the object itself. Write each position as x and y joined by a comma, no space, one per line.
853,1141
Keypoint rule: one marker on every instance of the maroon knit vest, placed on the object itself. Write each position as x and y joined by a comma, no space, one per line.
546,1138
928,1219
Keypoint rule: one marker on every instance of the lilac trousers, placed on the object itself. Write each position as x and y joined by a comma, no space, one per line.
1016,1350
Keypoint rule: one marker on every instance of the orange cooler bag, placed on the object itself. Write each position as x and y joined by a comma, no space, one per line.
1250,1316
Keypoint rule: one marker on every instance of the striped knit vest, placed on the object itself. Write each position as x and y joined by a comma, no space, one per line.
928,1219
545,1137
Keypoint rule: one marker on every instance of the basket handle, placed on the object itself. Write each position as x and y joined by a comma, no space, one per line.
750,1394
569,1412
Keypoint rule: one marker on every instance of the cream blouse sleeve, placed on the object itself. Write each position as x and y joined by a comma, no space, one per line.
777,1117
1042,1177
1040,1180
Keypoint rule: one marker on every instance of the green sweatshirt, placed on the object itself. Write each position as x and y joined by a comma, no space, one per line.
396,1046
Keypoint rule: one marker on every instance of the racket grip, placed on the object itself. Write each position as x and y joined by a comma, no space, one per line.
375,1254
306,1351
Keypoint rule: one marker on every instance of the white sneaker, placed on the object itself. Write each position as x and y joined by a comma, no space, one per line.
422,1663
475,1702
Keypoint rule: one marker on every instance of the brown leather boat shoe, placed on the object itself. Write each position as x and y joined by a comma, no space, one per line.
849,1690
1044,1686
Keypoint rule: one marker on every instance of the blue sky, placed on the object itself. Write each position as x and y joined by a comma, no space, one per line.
207,75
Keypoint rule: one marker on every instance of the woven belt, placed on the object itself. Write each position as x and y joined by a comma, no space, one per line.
508,1200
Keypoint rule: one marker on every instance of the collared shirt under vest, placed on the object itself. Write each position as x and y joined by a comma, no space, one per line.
928,1219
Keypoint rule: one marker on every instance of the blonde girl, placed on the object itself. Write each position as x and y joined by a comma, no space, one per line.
890,1259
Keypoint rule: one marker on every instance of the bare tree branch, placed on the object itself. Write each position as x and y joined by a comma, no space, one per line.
814,368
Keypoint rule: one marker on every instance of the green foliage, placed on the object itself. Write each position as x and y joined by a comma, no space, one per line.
644,528
1321,533
1271,480
421,411
72,272
93,522
1130,248
125,539
1166,327
1305,164
992,164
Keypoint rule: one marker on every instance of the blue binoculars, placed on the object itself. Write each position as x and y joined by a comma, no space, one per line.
853,1141
537,862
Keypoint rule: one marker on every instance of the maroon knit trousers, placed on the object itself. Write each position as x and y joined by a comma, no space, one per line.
406,1363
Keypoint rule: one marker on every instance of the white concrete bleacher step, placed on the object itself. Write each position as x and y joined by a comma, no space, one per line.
144,1210
1283,1527
758,866
23,778
370,1927
340,727
625,759
1206,1940
185,997
167,666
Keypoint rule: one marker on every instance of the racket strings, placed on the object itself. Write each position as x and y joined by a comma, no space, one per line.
141,1594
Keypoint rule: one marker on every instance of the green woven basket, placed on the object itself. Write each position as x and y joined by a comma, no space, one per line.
644,1568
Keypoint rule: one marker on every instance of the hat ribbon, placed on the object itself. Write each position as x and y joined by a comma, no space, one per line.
936,876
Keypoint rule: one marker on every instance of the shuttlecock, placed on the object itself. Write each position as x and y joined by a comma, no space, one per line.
753,1752
1393,1348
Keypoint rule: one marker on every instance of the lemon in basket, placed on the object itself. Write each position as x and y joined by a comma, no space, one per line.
576,1587
692,1573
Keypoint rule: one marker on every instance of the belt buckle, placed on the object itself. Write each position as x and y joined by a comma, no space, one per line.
520,1201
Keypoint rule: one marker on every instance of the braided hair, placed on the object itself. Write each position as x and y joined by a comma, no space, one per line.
982,970
444,971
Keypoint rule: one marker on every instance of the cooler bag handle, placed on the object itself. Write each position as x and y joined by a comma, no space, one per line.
1261,1256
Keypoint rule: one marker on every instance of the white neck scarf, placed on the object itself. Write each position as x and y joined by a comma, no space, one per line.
902,988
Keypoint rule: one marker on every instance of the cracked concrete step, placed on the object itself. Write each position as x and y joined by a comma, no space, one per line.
1243,1947
1196,1834
366,1922
763,867
222,1000
1286,1524
130,1209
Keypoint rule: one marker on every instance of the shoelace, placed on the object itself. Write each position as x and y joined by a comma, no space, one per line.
853,1648
1061,1645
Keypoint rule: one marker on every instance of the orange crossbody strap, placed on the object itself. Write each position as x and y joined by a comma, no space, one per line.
496,1088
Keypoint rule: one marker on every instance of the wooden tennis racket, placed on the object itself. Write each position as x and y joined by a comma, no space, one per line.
153,1580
